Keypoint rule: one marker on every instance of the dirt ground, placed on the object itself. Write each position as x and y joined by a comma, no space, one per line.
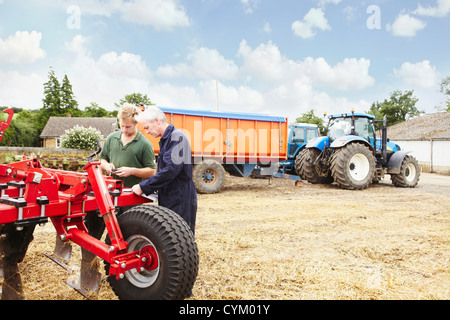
279,242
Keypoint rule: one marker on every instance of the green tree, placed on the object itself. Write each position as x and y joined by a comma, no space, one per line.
58,100
310,117
95,111
135,99
399,108
22,131
68,103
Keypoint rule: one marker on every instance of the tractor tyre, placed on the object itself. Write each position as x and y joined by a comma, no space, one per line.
209,177
313,173
353,166
177,252
300,163
409,173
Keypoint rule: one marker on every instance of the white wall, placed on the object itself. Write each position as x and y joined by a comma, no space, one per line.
433,155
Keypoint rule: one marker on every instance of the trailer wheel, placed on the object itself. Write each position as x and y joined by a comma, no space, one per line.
209,177
353,166
409,174
176,250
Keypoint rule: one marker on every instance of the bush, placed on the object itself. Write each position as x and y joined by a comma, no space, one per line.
81,138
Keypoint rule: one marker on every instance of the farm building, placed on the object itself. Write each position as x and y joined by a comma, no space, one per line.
57,126
428,137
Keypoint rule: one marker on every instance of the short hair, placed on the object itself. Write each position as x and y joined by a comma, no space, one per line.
129,112
151,114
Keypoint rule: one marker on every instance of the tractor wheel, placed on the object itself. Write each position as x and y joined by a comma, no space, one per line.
209,177
300,163
409,174
353,166
313,173
176,250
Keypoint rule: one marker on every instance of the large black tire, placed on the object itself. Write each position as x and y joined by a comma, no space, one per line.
409,173
209,177
177,252
313,172
300,162
353,166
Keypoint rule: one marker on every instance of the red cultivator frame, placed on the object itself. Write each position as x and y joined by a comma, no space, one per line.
149,253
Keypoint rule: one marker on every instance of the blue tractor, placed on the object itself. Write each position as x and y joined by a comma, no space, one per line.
299,135
351,156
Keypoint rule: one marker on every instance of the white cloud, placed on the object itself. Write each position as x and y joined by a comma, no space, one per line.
104,80
267,28
266,63
421,74
441,10
203,63
406,26
250,5
14,84
314,19
322,3
268,83
161,14
240,98
22,47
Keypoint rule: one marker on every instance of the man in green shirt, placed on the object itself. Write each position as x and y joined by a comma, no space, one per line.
127,154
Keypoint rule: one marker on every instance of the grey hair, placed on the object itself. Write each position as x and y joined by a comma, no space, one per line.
151,114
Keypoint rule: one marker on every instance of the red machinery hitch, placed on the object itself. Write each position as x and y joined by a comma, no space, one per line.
31,194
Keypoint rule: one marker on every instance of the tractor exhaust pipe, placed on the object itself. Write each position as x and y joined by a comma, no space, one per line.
384,140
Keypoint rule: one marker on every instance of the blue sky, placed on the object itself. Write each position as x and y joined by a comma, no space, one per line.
282,58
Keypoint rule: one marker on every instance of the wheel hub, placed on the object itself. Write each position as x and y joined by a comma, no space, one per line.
147,273
359,167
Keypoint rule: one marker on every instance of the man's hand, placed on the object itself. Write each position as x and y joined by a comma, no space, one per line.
105,166
124,172
137,190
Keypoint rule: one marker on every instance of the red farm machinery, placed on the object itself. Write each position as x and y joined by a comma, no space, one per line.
149,252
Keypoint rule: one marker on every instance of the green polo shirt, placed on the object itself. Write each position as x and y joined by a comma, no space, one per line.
136,154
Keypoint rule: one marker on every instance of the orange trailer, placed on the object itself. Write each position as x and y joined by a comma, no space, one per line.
238,143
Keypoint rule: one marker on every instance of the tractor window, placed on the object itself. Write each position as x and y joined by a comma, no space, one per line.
311,133
298,135
339,127
363,128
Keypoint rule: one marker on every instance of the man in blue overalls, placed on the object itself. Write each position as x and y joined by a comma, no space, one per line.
173,180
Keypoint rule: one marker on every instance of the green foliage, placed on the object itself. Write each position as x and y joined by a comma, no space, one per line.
58,100
399,108
95,111
311,118
22,131
81,138
135,99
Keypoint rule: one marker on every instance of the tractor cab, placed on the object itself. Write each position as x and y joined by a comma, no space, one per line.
352,124
299,135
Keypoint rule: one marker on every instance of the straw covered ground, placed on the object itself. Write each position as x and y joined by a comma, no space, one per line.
280,242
